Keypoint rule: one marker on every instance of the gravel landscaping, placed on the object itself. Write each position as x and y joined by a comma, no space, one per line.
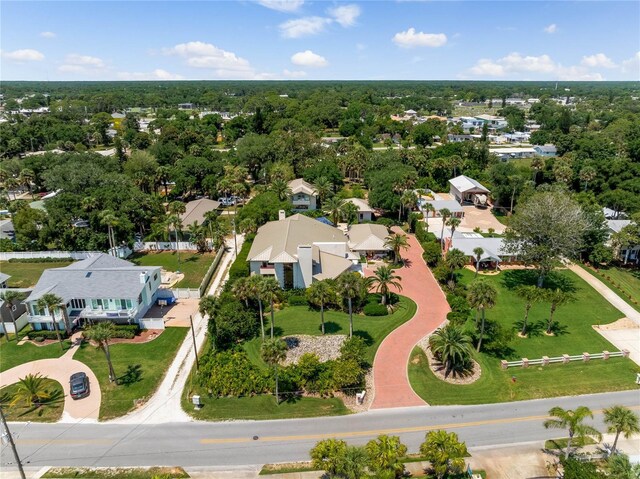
438,370
325,347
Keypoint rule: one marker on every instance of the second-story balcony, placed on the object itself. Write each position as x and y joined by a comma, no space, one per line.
89,313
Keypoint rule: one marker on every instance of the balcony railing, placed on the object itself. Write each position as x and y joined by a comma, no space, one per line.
89,313
267,270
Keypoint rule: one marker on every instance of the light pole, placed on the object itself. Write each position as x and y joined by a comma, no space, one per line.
6,432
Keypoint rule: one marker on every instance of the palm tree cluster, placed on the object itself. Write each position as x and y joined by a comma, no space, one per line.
532,294
452,347
261,289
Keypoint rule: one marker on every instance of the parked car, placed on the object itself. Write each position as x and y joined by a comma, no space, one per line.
79,385
227,200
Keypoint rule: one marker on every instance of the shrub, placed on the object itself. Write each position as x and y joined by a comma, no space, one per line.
297,300
354,349
231,373
456,317
458,303
39,339
388,222
432,253
373,309
240,267
32,335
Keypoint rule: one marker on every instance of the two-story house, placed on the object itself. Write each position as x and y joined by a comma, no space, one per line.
303,195
101,287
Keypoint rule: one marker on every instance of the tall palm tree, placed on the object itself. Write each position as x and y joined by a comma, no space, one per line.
242,290
557,298
453,223
324,189
89,203
621,420
573,421
102,333
455,259
445,452
530,295
280,188
349,212
482,296
159,233
31,391
27,177
271,292
452,346
428,208
163,175
408,200
384,277
334,208
385,453
110,220
396,242
478,252
50,302
12,298
321,293
207,307
445,214
349,285
273,351
255,284
175,222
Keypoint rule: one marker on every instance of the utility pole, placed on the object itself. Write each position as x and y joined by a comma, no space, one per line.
7,433
195,347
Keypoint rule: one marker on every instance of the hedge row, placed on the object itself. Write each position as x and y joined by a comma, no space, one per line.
39,260
32,335
240,267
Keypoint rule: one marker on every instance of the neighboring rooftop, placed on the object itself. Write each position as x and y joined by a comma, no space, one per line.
463,183
451,205
300,186
368,237
617,225
196,210
363,205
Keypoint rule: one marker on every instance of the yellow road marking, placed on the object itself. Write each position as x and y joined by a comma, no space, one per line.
377,432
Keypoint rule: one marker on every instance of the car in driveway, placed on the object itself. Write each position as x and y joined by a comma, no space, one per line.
79,385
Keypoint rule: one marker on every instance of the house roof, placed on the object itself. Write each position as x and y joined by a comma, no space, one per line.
493,247
451,205
278,241
617,225
195,211
508,151
101,275
7,231
368,237
300,186
463,184
363,205
4,277
328,266
546,148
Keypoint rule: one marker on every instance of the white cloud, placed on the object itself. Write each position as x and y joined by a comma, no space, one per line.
309,59
553,28
599,60
411,38
286,6
486,67
345,15
157,74
294,74
303,27
84,60
632,65
48,34
23,55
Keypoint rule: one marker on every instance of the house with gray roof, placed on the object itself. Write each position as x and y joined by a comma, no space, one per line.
365,212
493,249
303,195
196,211
368,239
299,250
627,253
101,287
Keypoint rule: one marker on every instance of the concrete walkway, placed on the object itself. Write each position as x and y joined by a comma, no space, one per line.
390,376
164,406
60,369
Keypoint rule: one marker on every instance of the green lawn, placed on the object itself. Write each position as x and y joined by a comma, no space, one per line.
49,412
193,265
139,367
25,275
573,336
625,282
12,355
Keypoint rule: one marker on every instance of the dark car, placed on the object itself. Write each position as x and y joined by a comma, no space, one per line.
79,383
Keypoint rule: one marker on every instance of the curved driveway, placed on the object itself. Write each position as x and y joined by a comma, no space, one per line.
60,369
390,377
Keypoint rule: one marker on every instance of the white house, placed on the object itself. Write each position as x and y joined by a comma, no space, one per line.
493,249
299,250
627,253
468,190
513,153
365,212
98,288
546,151
303,195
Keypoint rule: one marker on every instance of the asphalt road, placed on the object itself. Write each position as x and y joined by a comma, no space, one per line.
232,443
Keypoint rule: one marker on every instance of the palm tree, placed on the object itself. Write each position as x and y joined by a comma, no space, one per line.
445,452
452,346
272,352
455,259
27,177
324,189
445,214
349,212
110,220
175,222
621,420
349,285
334,208
198,236
428,208
385,453
163,175
482,296
102,333
530,295
396,242
248,226
159,233
12,298
255,288
573,421
587,174
31,391
557,298
242,290
280,188
408,200
478,252
453,223
49,302
89,203
383,279
537,163
207,307
271,292
319,294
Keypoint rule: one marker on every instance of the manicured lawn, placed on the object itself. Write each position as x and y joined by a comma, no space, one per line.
12,355
25,275
624,282
50,412
193,265
139,367
120,472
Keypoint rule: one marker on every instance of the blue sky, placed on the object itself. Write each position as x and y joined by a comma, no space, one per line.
317,40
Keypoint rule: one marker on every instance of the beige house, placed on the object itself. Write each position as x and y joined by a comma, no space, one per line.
365,212
196,210
299,250
303,195
368,239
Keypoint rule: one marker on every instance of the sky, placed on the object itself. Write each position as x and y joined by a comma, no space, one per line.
319,40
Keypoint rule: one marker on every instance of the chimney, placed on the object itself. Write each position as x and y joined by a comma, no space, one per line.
143,277
281,215
305,262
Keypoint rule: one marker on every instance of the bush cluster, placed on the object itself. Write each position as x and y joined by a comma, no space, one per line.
32,335
297,300
240,267
39,260
375,309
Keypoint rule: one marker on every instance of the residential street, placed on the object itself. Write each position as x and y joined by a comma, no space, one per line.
232,443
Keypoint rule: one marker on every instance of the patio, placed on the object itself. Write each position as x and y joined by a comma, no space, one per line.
176,314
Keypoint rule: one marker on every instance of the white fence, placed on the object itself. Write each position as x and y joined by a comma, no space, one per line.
210,272
564,359
151,323
21,322
74,255
164,246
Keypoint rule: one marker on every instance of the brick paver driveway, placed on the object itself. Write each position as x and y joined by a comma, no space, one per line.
60,369
390,379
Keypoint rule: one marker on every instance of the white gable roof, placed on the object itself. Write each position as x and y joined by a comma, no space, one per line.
463,183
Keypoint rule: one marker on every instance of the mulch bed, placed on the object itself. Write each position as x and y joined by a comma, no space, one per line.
145,336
